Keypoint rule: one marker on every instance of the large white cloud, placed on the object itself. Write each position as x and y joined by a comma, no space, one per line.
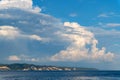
10,32
79,43
79,39
22,4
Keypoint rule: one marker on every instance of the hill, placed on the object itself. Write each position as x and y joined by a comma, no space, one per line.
32,67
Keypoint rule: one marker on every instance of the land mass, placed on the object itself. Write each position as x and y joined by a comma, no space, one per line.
32,67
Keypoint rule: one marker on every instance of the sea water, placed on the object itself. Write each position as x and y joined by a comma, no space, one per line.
60,75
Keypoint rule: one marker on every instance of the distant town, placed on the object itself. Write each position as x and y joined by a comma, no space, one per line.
32,67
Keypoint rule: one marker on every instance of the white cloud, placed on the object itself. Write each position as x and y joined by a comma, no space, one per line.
13,58
35,37
22,4
73,15
103,32
110,14
105,29
10,32
80,38
28,58
22,58
103,15
5,16
113,24
82,43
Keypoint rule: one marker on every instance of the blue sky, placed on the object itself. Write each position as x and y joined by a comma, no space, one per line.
80,33
85,12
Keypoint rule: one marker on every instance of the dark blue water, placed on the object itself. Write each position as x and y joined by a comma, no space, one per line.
63,75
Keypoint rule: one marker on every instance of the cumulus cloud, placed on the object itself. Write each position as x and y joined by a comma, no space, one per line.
79,39
35,37
10,32
13,58
22,4
73,41
22,58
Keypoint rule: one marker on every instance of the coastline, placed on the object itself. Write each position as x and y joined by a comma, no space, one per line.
32,67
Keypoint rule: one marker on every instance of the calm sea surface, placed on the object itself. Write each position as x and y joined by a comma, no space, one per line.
63,75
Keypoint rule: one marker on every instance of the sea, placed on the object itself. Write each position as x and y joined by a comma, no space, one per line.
60,75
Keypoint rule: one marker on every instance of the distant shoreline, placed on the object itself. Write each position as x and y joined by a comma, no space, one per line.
32,67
